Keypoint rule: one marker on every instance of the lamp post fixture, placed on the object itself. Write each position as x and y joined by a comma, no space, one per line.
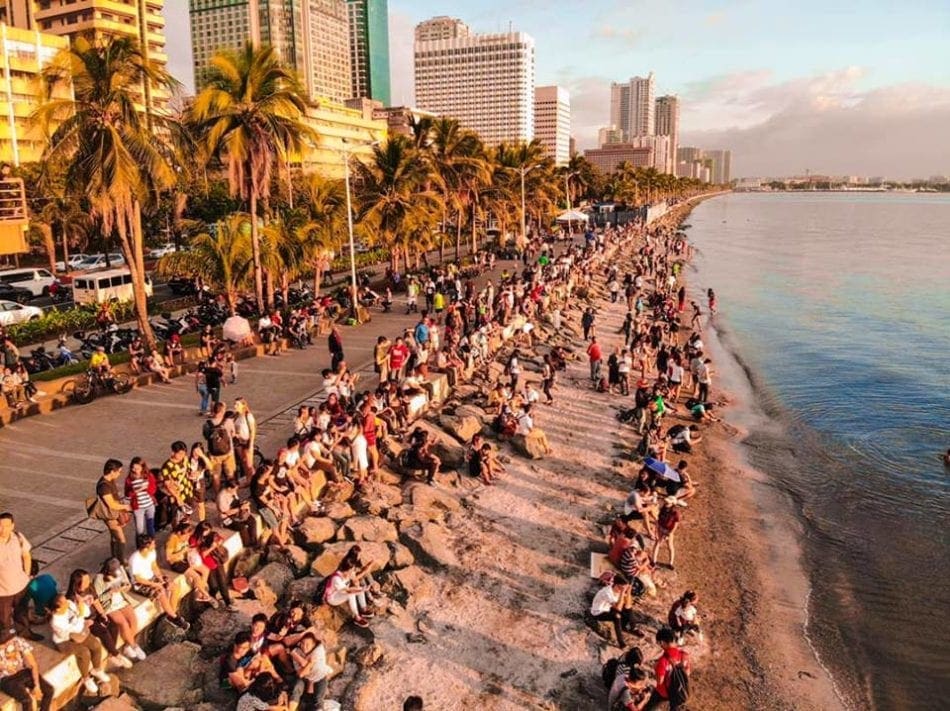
354,287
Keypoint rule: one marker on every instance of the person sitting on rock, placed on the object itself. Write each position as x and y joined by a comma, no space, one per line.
527,429
341,589
240,666
420,456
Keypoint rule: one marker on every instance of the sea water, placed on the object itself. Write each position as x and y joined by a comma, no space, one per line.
837,306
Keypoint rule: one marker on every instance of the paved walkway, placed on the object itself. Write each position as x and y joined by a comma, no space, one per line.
52,462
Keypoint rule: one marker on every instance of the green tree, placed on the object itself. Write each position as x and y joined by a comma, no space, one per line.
249,114
222,259
325,202
110,157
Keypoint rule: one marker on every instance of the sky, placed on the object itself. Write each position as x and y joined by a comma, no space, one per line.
845,88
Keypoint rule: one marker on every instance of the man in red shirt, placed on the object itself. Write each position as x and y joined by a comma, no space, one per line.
672,673
594,354
398,354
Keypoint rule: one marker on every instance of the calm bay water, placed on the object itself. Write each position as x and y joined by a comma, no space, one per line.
837,305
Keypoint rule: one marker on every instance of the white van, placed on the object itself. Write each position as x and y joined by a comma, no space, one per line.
100,287
38,281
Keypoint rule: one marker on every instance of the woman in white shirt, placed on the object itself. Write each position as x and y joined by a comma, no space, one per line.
148,580
313,672
112,587
71,636
340,591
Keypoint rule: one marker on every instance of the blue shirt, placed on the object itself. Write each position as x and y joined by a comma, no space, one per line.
41,590
422,333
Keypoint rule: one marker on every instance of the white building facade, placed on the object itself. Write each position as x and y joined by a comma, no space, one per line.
632,106
486,81
552,121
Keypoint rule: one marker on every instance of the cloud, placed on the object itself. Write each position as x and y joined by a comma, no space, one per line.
825,124
590,105
178,43
625,36
714,18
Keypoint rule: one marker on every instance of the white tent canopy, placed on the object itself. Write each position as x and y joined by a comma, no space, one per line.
572,216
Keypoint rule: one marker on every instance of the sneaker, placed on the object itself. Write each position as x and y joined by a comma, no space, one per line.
100,675
130,652
360,622
187,510
91,686
121,661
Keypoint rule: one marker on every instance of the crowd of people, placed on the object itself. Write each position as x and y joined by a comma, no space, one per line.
222,480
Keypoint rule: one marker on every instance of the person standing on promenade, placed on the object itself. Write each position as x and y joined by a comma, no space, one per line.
107,490
587,322
335,346
381,358
16,564
703,379
595,356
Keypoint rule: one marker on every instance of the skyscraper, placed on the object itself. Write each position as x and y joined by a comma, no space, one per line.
632,107
369,49
721,167
552,121
312,36
668,124
141,20
486,81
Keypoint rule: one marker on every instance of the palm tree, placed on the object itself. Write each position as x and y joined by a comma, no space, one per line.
392,196
222,259
283,251
325,202
110,156
250,114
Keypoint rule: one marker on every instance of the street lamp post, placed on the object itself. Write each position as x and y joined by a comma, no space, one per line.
354,287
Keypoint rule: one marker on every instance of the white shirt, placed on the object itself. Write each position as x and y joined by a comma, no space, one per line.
141,565
525,424
67,623
604,600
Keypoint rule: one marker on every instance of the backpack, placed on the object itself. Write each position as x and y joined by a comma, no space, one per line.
324,590
602,385
677,683
675,431
608,672
219,443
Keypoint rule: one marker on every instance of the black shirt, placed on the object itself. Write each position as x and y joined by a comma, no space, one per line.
213,376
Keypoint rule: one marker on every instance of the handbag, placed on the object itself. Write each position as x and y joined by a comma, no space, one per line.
98,509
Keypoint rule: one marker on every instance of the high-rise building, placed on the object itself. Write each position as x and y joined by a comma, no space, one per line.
668,124
369,49
486,81
609,135
720,167
608,157
552,122
23,54
632,108
141,20
312,36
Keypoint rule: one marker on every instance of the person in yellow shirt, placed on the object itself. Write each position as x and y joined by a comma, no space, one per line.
99,362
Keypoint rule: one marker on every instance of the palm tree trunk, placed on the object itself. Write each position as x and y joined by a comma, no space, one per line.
285,288
65,245
135,259
49,244
474,235
458,236
256,251
269,291
317,278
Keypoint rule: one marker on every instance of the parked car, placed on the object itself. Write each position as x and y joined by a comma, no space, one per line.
161,251
12,312
74,260
98,261
37,281
14,293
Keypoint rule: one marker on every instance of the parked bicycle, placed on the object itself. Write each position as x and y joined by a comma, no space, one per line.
90,384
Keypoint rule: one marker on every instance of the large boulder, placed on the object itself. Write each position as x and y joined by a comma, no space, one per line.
376,554
531,445
246,563
329,618
338,511
431,543
462,427
401,556
405,516
294,557
444,446
216,628
165,633
306,588
315,530
376,497
474,412
174,677
368,528
273,577
427,497
122,702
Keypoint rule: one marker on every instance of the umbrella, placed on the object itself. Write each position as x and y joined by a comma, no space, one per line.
236,328
662,469
572,216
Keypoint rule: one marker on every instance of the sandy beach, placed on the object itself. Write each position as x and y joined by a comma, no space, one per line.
493,614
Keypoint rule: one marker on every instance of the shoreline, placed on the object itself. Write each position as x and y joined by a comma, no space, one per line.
764,600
